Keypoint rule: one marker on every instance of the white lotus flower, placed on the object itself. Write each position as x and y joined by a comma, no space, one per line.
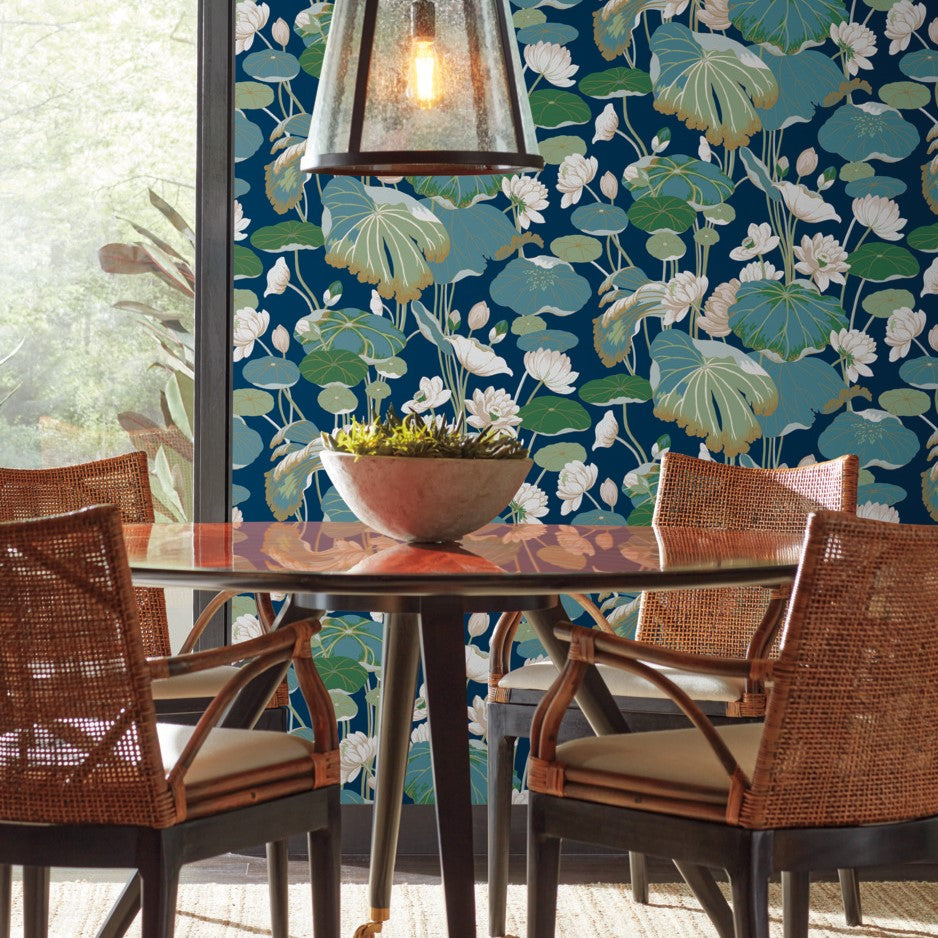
478,624
933,30
681,293
759,240
356,752
857,350
805,204
495,408
476,358
478,716
856,42
703,150
236,518
246,627
552,368
674,8
760,270
715,13
806,162
901,21
878,512
930,279
933,338
606,431
478,315
552,61
528,196
529,504
280,31
902,327
420,734
432,394
240,222
716,316
609,493
609,185
251,17
249,325
823,259
280,339
880,214
477,665
606,124
278,278
574,481
574,174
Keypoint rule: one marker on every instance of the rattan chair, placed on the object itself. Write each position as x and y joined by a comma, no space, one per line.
124,481
844,769
87,775
736,622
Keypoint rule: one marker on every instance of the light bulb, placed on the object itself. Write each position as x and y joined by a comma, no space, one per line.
425,84
424,74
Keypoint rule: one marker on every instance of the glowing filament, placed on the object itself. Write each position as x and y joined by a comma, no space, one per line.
426,86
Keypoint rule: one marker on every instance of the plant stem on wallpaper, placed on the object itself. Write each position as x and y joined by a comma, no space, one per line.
732,251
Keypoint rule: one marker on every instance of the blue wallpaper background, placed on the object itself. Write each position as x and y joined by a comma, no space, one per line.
732,251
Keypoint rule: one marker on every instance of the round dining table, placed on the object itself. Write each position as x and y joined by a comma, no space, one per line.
425,591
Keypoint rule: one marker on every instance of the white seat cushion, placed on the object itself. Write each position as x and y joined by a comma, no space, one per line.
228,751
667,755
205,683
539,675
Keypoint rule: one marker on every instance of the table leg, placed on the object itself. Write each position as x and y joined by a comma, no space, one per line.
442,642
399,659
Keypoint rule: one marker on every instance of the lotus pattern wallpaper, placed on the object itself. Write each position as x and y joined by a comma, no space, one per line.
732,251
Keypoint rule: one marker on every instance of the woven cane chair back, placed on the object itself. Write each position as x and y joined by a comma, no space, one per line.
851,732
122,481
701,493
77,724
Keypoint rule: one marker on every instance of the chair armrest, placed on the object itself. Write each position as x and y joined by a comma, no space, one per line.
198,627
615,650
500,649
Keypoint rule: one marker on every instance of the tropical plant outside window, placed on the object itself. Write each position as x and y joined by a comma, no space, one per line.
98,154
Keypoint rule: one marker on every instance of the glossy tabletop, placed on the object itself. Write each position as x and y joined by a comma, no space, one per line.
502,559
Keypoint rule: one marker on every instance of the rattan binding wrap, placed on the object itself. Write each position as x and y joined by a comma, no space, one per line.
702,493
77,721
121,481
851,732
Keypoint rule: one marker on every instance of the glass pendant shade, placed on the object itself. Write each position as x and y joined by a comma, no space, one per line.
421,87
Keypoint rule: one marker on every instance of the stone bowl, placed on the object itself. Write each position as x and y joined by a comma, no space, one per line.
424,499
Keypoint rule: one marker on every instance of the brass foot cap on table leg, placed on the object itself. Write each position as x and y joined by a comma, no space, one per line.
372,928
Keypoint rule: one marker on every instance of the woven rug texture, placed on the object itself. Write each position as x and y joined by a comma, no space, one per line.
891,910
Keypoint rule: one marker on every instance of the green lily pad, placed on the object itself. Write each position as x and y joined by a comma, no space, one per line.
905,95
615,83
288,236
554,457
661,213
924,239
707,237
333,366
576,249
251,402
337,399
859,170
881,262
244,298
616,389
552,416
555,150
666,246
524,325
787,24
553,107
884,303
905,402
252,95
720,214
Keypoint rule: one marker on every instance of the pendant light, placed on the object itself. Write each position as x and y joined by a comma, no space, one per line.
421,87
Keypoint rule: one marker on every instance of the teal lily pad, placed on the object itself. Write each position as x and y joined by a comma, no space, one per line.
804,387
881,492
922,65
559,33
804,81
476,235
870,131
887,187
271,65
786,24
556,339
599,219
246,444
248,137
686,178
920,372
361,332
540,285
878,439
271,373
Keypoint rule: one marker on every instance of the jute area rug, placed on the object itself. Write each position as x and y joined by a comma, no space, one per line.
891,910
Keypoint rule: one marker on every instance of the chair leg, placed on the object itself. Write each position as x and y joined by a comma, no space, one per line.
543,873
795,903
850,890
6,890
708,894
501,759
325,869
159,874
277,864
750,888
124,911
35,901
638,876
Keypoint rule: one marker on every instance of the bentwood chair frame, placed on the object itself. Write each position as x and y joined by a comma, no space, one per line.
124,481
740,622
843,771
84,776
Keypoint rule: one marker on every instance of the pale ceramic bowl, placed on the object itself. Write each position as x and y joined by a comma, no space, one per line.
415,499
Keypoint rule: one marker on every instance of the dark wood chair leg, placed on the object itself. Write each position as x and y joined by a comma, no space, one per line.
124,910
850,890
708,894
750,888
6,898
159,873
35,901
638,877
501,758
795,903
543,873
277,865
325,868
